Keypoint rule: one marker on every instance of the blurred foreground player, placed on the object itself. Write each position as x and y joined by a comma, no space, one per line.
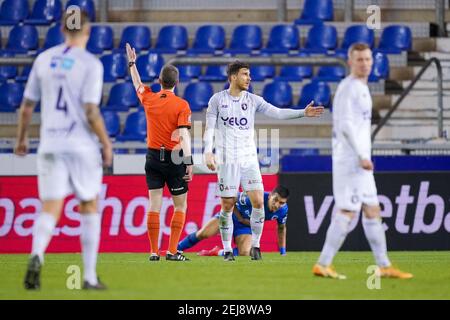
68,81
353,181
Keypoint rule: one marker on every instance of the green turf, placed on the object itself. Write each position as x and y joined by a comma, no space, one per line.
131,276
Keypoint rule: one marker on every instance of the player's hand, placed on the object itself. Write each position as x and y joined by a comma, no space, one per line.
107,155
189,174
131,53
366,164
21,148
210,161
311,111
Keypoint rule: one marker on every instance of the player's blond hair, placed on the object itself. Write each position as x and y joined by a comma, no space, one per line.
357,47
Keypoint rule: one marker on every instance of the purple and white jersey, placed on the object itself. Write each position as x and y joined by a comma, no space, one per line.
63,79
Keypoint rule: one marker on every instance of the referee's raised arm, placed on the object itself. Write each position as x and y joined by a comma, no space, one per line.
131,55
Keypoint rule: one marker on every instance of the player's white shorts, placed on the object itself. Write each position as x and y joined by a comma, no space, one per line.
354,187
61,174
231,175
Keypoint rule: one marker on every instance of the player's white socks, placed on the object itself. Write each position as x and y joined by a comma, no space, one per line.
90,239
42,233
257,225
226,229
374,231
337,231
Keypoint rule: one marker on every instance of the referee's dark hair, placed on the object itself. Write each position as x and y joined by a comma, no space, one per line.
282,191
234,67
169,76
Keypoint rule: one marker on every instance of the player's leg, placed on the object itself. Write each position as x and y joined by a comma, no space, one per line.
86,178
373,229
252,183
178,187
348,202
244,244
54,186
211,228
228,184
90,242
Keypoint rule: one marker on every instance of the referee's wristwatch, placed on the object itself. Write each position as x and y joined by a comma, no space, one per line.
131,63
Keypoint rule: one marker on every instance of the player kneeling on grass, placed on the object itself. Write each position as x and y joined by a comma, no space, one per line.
275,207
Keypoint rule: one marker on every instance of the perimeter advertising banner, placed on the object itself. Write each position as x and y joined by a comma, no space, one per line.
415,208
123,204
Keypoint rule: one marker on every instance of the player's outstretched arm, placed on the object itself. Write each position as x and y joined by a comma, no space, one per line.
281,231
95,120
285,114
131,55
25,113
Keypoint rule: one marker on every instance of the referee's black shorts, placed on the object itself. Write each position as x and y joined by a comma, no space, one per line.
159,172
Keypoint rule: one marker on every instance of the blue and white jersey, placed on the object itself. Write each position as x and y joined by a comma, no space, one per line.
234,125
64,79
244,206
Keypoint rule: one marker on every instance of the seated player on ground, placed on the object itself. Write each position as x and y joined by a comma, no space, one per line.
275,208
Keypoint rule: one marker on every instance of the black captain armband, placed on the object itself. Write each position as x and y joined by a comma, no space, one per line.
131,63
189,161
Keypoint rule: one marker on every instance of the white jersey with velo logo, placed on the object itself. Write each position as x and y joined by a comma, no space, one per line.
63,79
352,113
232,120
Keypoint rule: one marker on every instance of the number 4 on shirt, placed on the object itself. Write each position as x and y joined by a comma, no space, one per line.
61,103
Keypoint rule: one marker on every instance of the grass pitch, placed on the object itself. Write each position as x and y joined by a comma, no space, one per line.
132,276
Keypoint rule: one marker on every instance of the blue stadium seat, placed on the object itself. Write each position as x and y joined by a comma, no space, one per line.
24,74
295,73
10,96
85,5
139,37
278,93
188,72
135,127
380,67
318,91
149,66
101,39
330,73
215,73
54,37
13,11
156,87
115,67
320,39
316,11
7,72
198,95
171,39
395,39
122,97
45,12
282,38
208,39
245,38
358,33
262,72
22,39
112,122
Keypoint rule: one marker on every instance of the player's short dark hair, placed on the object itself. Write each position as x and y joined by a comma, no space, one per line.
234,67
68,20
169,76
282,191
359,46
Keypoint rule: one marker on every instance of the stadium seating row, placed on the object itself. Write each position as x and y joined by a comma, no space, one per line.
210,39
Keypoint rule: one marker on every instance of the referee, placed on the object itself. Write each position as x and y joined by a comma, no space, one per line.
169,159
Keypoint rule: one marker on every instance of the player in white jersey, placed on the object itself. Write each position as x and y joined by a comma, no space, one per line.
230,120
353,181
68,81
